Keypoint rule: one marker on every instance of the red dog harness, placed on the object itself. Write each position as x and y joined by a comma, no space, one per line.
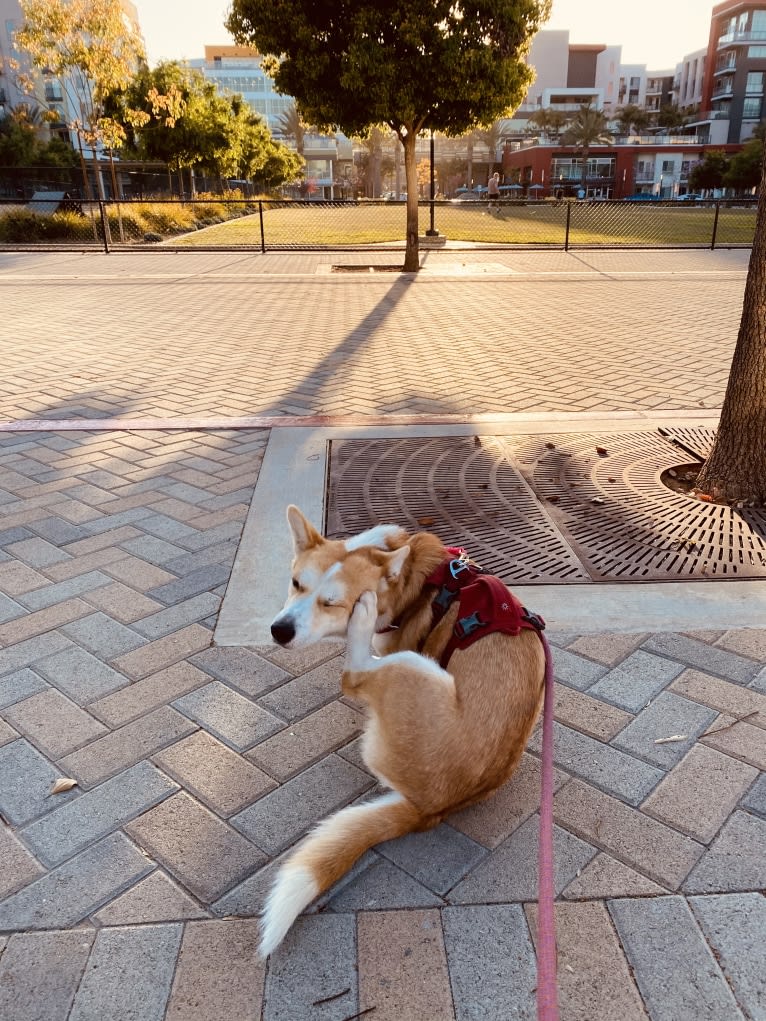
486,604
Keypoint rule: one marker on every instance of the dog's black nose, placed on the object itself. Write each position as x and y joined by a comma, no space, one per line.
282,631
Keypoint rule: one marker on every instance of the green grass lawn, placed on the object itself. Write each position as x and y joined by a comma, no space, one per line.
516,224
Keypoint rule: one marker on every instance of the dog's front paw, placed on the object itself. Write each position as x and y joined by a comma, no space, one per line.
363,616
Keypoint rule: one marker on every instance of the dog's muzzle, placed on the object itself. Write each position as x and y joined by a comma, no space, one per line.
283,631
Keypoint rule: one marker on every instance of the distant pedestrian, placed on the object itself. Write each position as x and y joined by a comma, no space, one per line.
493,193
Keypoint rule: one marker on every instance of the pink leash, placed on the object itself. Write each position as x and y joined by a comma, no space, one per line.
547,997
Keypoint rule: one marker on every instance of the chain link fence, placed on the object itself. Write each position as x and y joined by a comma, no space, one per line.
63,219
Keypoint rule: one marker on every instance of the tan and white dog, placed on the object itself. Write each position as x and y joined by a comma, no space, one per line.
439,740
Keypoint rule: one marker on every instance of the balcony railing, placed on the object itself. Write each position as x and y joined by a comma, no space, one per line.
741,38
723,92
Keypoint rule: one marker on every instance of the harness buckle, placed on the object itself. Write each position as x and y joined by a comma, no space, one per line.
534,619
467,625
461,563
444,598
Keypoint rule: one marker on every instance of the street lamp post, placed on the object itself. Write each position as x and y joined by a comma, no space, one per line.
432,232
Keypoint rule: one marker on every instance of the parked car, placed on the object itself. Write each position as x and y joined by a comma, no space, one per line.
689,197
644,197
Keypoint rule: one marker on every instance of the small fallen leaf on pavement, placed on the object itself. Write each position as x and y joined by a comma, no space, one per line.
569,968
550,446
598,499
705,496
672,739
425,521
611,480
553,499
64,783
602,451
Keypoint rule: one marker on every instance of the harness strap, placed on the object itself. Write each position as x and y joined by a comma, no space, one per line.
486,605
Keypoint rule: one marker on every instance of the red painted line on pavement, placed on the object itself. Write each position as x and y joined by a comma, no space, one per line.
253,422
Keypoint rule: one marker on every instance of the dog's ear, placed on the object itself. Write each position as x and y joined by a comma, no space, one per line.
304,534
395,562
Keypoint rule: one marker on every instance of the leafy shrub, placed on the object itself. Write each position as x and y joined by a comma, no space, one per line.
164,217
20,226
210,212
133,225
65,226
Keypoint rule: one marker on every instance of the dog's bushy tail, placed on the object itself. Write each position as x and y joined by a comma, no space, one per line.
327,854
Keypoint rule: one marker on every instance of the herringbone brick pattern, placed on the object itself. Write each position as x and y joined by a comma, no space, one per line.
233,339
198,767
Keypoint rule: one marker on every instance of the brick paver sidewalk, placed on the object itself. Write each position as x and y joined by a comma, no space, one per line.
134,895
232,334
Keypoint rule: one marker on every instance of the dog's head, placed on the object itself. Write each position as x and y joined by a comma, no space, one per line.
329,575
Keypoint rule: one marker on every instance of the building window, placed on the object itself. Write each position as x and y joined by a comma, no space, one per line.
756,51
751,110
668,166
754,82
758,27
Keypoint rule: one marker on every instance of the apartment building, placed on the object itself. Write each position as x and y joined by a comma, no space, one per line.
688,80
237,69
616,171
61,96
659,90
735,68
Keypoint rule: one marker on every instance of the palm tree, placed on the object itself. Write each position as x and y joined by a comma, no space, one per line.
588,128
671,118
373,143
642,120
549,121
292,126
470,140
25,114
492,138
627,116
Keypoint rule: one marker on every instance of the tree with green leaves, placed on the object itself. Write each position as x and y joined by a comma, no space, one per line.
173,114
22,143
87,45
744,172
588,128
413,65
735,470
709,172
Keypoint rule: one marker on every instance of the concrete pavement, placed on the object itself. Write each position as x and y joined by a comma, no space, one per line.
135,893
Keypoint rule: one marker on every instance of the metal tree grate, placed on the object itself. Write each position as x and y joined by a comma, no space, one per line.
579,516
464,491
625,524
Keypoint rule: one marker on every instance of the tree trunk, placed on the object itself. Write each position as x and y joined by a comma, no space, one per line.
736,468
584,174
411,254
